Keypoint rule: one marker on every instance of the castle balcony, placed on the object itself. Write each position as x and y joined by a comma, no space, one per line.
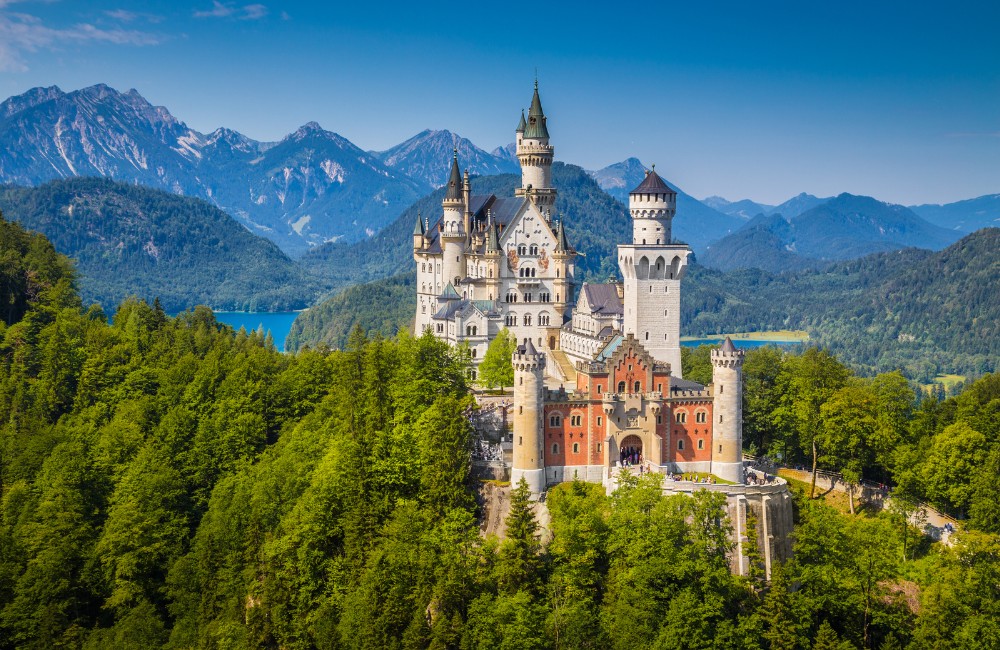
529,282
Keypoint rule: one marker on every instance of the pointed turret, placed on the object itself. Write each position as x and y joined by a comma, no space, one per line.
418,233
727,346
492,239
535,155
454,192
536,118
562,244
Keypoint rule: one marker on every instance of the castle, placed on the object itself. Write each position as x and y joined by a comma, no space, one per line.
489,263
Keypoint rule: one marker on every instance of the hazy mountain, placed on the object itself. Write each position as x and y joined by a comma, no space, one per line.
134,240
964,216
508,152
696,223
842,228
426,157
312,187
796,205
744,209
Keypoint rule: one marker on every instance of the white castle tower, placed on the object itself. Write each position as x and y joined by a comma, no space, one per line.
529,387
727,430
535,154
653,268
454,234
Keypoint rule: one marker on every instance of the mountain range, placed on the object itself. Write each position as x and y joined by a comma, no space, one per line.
132,240
844,227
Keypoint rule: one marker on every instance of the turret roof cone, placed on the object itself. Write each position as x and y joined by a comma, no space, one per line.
536,118
419,228
529,348
522,124
562,245
652,184
454,181
727,346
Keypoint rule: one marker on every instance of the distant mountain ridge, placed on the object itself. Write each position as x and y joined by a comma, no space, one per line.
427,157
841,228
964,216
313,186
133,240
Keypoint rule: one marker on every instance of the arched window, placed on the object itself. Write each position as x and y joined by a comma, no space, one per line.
680,445
522,250
621,387
638,388
555,447
681,417
701,443
527,319
473,353
555,420
576,447
534,249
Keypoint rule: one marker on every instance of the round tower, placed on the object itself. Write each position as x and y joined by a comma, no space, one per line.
727,427
652,206
453,231
529,459
652,269
535,154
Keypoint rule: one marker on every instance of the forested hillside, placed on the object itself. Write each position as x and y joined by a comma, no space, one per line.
168,483
914,310
132,240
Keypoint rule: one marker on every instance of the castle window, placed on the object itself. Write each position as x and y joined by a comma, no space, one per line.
598,447
647,336
701,444
720,449
599,421
554,420
598,389
440,328
681,417
680,445
659,388
527,319
701,417
555,448
534,250
721,386
720,418
621,387
638,388
522,250
472,373
473,353
520,441
576,420
576,447
659,419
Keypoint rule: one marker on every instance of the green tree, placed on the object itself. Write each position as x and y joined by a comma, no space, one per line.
519,563
496,368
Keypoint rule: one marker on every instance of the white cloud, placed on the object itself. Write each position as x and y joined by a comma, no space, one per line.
126,16
232,10
22,34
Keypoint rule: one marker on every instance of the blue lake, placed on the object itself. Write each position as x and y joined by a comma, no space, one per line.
746,344
279,323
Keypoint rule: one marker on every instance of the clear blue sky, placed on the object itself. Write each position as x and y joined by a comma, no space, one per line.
761,100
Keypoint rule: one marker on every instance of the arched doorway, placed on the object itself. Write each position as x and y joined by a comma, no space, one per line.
630,450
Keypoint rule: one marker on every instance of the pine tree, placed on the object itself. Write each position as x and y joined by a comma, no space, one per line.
519,564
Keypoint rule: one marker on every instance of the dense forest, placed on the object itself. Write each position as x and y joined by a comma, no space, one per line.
133,240
167,482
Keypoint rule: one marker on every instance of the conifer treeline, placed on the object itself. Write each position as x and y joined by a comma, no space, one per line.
166,482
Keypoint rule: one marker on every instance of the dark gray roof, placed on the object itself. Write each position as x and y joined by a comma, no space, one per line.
527,348
449,293
727,345
419,228
454,181
652,184
677,383
603,298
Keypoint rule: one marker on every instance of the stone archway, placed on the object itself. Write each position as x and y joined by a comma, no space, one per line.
630,450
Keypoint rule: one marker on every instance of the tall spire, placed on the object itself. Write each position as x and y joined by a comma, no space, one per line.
522,124
536,118
419,228
454,181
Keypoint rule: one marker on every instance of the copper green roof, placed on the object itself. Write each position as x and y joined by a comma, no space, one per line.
522,123
536,118
419,228
449,293
492,238
454,181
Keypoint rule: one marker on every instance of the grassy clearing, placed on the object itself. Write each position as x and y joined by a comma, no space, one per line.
781,336
831,498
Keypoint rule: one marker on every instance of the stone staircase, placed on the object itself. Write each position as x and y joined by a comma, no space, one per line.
563,368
